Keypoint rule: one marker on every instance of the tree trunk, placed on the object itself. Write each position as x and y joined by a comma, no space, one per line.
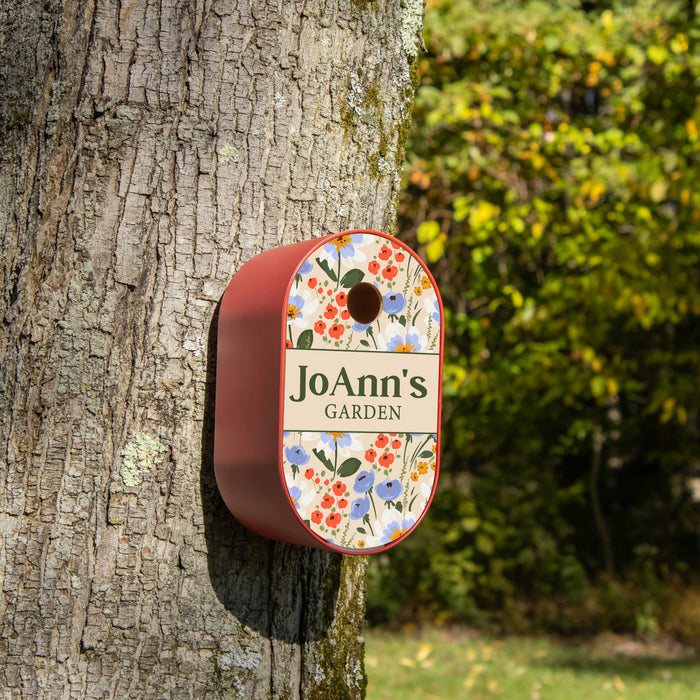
149,148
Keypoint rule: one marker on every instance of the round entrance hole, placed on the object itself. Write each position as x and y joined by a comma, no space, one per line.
364,302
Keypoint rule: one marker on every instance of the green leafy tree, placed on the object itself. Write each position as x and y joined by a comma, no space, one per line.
552,181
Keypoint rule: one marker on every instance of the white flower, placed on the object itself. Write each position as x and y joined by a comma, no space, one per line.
346,443
397,338
432,307
426,488
301,308
301,493
347,248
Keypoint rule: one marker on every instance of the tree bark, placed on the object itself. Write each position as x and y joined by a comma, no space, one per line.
150,147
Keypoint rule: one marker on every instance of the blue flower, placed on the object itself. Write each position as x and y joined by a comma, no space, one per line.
342,246
305,268
359,508
294,306
296,455
339,439
435,315
364,482
295,495
360,327
411,343
394,530
394,303
389,489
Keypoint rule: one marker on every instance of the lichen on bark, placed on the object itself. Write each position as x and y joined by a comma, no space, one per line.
139,454
411,26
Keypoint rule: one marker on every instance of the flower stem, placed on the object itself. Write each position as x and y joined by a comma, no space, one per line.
371,500
371,335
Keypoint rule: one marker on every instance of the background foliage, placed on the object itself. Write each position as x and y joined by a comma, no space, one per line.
552,181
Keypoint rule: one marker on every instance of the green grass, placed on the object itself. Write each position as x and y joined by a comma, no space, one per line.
441,665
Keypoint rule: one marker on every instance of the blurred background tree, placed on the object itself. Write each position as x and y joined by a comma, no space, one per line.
552,182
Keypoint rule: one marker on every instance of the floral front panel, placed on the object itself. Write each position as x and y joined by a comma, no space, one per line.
361,490
317,314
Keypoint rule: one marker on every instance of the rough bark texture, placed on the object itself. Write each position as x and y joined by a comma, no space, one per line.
149,148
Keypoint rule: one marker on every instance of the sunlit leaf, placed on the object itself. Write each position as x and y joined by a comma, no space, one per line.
435,249
428,231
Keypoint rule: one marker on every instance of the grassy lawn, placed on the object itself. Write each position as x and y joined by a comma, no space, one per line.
440,665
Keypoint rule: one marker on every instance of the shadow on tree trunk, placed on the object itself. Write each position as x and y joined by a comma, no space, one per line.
285,592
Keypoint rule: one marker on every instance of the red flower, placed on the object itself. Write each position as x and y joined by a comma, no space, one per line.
396,245
389,272
384,253
309,473
342,502
319,327
336,330
330,292
345,314
370,455
312,282
333,520
396,443
330,311
316,516
385,460
339,488
327,501
399,257
289,344
381,441
341,298
373,267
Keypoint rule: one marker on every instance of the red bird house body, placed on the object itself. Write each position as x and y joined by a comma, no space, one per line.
328,390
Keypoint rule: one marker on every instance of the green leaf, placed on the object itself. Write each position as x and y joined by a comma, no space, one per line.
426,455
362,530
323,264
399,506
470,524
324,460
435,249
428,231
658,191
657,54
484,544
598,386
482,214
349,467
305,339
351,278
551,42
461,205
